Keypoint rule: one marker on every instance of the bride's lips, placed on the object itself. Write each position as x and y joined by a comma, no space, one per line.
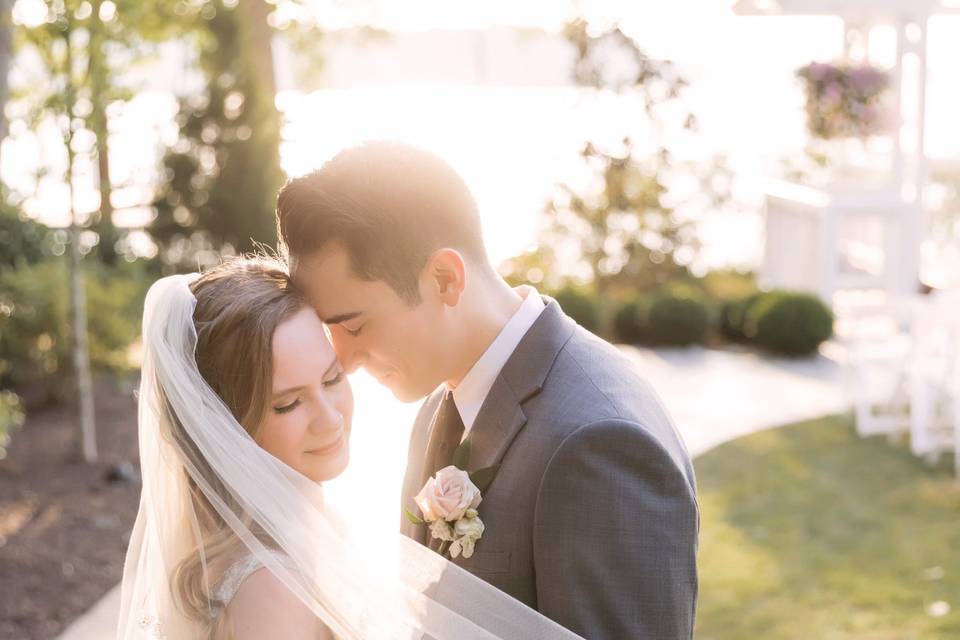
327,449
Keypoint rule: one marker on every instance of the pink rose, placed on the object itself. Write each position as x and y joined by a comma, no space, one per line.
447,495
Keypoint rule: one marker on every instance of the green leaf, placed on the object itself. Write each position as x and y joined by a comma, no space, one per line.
412,518
484,477
461,456
443,547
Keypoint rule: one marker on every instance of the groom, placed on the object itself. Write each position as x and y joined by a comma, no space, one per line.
592,517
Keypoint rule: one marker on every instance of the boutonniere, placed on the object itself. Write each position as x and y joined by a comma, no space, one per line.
448,504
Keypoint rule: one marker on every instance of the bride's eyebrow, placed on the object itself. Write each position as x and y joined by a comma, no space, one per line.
283,392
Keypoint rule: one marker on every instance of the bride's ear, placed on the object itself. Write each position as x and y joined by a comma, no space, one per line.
445,274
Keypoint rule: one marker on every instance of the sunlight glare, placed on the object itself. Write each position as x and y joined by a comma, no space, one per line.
29,13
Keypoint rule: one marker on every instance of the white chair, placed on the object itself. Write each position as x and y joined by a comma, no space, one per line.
878,354
933,371
956,425
879,386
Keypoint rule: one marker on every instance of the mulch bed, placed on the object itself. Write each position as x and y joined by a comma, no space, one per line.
64,525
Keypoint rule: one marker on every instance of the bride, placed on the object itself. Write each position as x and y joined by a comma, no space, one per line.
244,412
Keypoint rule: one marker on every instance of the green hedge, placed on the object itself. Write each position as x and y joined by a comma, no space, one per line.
677,316
629,322
697,311
790,323
581,306
794,324
733,316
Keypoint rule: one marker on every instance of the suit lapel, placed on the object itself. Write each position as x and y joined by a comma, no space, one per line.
501,416
497,424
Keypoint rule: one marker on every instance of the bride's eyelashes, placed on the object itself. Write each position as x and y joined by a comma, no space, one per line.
334,381
287,408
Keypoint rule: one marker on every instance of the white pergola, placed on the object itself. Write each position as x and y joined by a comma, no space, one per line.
804,224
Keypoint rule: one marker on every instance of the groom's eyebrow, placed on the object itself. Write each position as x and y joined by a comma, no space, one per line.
343,317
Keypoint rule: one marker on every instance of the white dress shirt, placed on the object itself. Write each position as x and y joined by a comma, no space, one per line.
473,389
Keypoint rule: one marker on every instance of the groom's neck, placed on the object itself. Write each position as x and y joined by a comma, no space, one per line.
484,310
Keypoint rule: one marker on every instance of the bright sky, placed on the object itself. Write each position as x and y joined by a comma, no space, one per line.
550,14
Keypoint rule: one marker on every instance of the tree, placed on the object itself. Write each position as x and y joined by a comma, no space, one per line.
109,36
56,43
223,173
630,230
71,46
6,50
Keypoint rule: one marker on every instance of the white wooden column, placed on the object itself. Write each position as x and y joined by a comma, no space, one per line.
896,88
913,216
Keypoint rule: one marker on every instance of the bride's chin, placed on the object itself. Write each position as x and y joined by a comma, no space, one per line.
330,466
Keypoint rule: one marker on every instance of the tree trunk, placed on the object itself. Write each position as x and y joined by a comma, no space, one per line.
98,123
6,52
78,300
257,38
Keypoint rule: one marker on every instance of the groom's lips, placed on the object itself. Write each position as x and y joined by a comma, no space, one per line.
329,448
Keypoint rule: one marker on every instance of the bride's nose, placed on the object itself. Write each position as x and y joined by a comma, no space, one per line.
327,416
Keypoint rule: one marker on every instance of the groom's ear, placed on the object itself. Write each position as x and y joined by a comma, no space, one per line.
445,275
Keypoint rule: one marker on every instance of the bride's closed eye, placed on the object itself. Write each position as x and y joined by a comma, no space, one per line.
335,380
287,408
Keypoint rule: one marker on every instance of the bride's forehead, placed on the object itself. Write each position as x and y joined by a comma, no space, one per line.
302,332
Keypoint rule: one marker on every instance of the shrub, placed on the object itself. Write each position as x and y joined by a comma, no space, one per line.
677,317
580,306
22,240
34,333
115,309
733,314
11,417
35,325
629,323
793,324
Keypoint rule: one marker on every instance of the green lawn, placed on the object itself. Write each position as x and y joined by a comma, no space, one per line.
809,532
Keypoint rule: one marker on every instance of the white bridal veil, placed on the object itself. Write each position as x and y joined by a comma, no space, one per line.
189,441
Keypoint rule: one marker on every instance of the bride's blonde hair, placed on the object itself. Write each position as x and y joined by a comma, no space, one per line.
240,304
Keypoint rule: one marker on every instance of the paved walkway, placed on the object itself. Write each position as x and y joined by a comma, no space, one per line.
713,396
716,396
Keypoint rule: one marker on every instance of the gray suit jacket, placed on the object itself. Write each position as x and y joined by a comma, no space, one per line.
592,519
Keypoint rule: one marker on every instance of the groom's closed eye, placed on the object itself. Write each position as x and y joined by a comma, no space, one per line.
340,320
353,332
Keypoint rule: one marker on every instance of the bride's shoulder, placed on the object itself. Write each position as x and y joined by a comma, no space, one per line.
262,606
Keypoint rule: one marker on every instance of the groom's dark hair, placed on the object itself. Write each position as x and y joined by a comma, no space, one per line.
389,205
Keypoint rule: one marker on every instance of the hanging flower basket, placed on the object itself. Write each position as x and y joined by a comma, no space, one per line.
844,101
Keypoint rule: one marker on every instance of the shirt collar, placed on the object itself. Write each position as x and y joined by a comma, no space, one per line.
473,389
